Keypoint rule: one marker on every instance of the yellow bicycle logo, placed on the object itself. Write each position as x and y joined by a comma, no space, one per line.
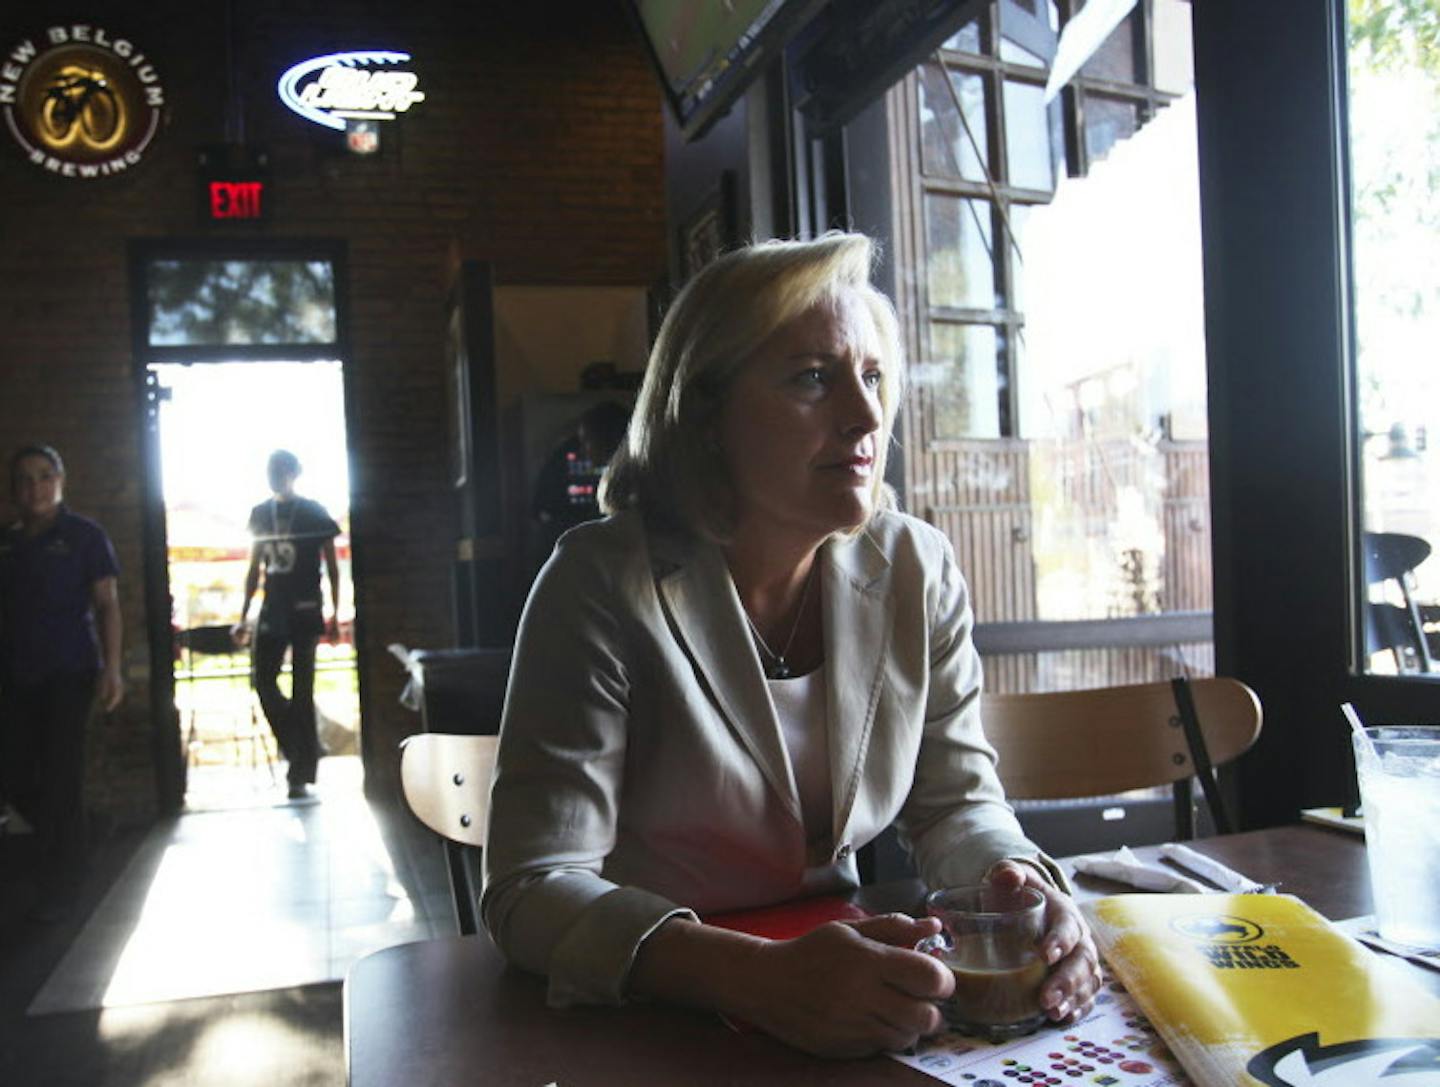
80,108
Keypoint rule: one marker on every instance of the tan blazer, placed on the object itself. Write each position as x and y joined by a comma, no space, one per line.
642,772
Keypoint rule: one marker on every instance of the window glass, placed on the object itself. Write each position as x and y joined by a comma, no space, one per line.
1394,133
1015,53
944,141
1063,373
1023,26
1011,293
960,272
1108,121
1112,382
1174,56
1027,136
1115,60
963,380
966,39
229,302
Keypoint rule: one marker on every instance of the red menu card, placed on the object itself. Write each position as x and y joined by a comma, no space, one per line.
789,919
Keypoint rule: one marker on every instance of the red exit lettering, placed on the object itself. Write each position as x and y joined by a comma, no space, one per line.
236,199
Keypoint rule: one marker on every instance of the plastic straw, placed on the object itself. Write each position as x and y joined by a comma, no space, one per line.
1359,728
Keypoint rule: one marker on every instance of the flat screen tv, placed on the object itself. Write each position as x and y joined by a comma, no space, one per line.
707,51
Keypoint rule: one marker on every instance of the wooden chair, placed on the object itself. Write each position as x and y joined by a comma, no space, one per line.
1110,740
446,781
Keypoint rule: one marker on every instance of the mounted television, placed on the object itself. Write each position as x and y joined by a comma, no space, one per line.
707,53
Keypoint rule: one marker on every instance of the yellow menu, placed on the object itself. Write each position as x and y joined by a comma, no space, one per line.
1260,989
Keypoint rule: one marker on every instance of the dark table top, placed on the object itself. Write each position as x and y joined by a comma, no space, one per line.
449,1011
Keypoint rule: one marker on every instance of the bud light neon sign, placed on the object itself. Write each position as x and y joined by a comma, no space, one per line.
365,85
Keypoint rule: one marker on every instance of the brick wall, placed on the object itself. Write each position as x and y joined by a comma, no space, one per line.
538,148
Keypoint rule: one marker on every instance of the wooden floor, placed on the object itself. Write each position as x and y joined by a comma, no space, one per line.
281,1037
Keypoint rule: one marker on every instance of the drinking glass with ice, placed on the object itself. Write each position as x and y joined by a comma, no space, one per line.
1399,772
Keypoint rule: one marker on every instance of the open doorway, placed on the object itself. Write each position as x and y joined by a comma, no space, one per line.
219,423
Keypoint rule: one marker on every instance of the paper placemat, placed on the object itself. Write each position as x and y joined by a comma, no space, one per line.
1112,1046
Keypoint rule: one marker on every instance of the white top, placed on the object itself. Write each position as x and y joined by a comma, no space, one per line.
800,706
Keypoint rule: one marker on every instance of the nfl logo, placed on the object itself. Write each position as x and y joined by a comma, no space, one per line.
362,137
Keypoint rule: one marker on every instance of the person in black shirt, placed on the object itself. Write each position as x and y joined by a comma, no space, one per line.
59,663
290,535
566,490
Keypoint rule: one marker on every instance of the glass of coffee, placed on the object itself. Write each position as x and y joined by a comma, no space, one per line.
990,941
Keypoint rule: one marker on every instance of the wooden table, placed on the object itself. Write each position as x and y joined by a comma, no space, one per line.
450,1012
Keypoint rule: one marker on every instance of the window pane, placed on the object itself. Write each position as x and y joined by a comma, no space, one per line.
221,302
1174,49
1014,298
963,380
1018,54
961,272
1092,502
1027,136
1023,24
1395,169
1112,383
943,139
1115,60
1108,121
966,39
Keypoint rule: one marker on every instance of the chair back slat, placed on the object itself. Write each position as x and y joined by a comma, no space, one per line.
446,780
1069,744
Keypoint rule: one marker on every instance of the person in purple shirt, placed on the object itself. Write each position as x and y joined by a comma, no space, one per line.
59,657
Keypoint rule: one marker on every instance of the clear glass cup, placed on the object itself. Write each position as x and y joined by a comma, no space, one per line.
990,941
1399,772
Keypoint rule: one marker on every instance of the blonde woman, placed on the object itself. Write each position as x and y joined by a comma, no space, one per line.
745,673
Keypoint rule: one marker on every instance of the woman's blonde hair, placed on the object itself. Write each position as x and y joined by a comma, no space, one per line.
669,467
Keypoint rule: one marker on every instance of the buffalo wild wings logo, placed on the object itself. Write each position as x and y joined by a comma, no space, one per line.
1369,1062
1232,943
1217,928
81,100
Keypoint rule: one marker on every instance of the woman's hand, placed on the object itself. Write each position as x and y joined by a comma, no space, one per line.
1074,979
849,989
112,688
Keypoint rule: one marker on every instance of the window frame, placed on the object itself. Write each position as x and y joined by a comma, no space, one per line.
1275,228
1005,317
144,254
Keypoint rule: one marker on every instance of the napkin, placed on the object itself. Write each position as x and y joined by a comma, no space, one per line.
1227,879
1124,867
1364,930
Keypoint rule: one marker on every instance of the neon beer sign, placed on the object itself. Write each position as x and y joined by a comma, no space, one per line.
365,85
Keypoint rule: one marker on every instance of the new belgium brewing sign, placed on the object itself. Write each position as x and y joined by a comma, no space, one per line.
80,100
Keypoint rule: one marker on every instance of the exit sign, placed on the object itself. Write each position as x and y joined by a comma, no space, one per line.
233,184
227,200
